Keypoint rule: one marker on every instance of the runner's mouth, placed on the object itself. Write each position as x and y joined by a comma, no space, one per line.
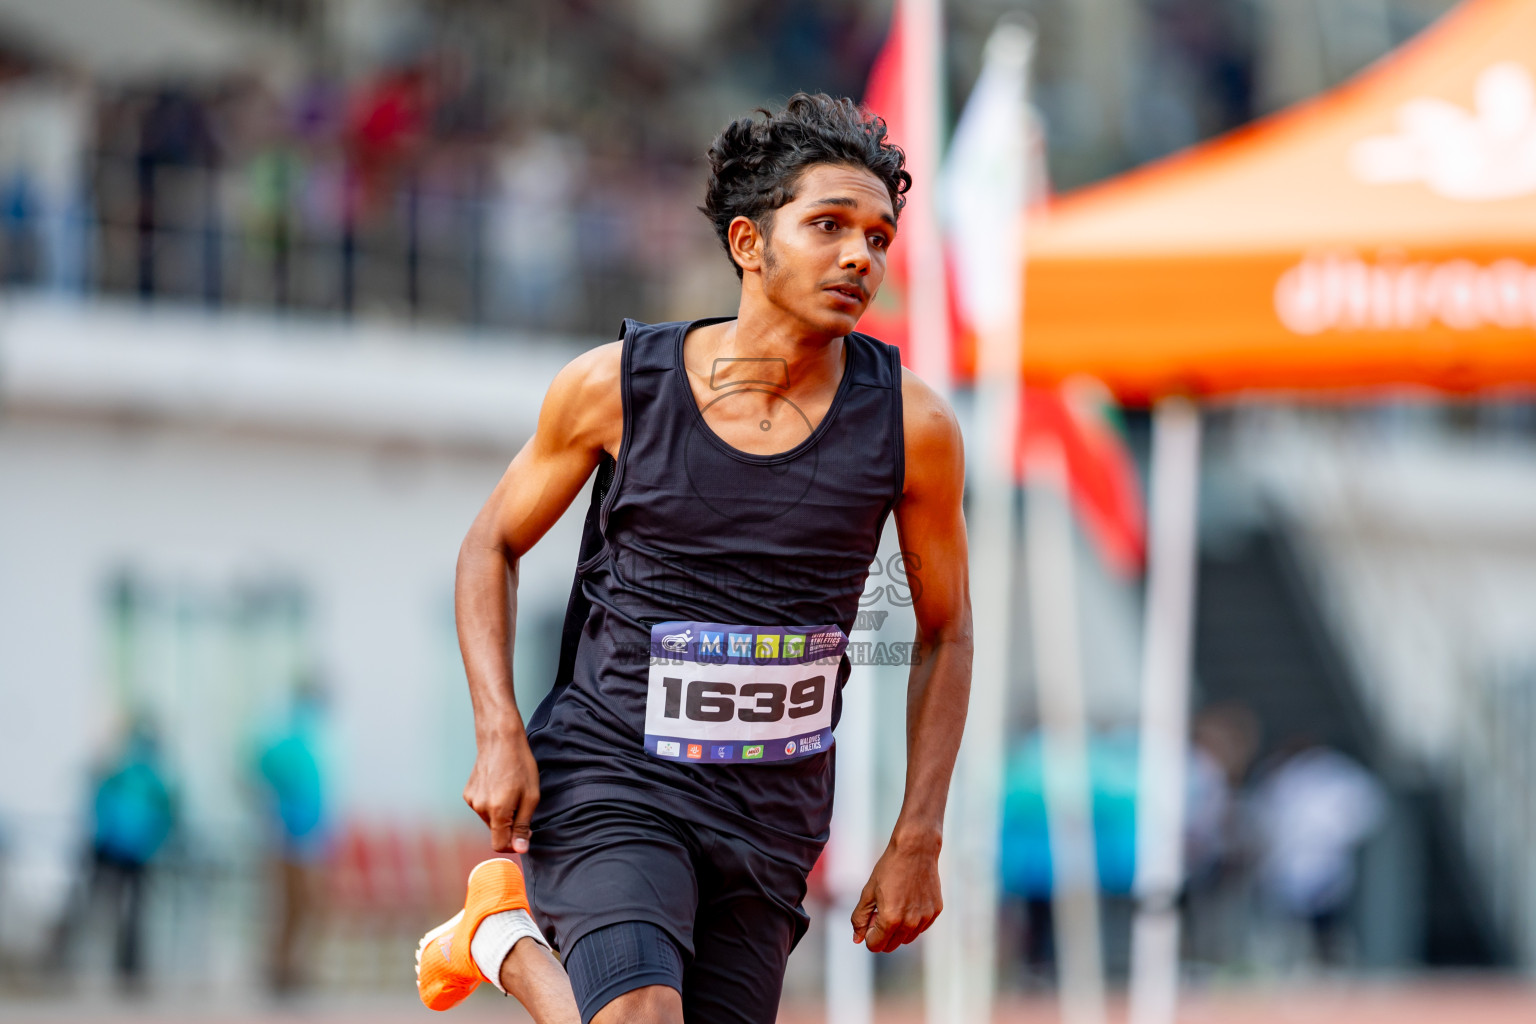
851,292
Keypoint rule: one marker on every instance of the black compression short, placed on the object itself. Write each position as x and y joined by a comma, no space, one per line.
620,958
731,908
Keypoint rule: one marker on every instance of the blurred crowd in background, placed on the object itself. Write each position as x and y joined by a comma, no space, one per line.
519,164
535,165
1272,845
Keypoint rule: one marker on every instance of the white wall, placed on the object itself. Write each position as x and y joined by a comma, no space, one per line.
200,494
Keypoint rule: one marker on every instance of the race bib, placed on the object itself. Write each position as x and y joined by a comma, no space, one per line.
740,694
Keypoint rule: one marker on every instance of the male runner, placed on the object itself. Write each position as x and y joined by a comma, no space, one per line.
673,791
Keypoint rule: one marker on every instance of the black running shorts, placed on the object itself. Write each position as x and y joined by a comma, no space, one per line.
732,908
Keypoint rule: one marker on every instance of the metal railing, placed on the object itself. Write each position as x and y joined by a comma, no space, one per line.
269,237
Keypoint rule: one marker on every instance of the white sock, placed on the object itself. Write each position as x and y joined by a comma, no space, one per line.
495,938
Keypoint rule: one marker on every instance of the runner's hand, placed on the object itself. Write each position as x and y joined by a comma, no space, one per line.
900,900
504,790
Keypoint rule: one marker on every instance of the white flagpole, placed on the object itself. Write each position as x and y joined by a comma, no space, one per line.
1051,558
1165,711
850,989
986,185
922,39
922,62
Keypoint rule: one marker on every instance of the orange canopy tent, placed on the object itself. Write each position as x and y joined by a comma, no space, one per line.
1382,234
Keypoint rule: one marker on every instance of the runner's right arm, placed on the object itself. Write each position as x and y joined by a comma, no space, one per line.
582,417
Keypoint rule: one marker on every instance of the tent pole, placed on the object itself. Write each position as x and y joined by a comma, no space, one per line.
1165,710
921,24
850,987
1051,556
987,188
969,860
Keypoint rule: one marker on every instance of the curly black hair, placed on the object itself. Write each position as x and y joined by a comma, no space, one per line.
754,165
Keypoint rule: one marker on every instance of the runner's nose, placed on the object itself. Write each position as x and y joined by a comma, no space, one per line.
856,257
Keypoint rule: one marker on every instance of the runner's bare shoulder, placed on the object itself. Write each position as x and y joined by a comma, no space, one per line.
934,451
585,407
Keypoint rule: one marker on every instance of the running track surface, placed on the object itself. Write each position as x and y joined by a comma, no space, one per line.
1439,1003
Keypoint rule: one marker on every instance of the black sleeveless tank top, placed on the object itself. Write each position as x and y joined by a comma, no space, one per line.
682,526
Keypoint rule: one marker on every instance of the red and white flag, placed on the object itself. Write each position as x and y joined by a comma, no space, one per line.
994,174
1080,421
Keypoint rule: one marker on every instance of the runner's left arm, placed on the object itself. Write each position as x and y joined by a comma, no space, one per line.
902,896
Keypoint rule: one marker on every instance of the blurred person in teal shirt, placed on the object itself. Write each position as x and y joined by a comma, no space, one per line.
134,814
290,766
1025,854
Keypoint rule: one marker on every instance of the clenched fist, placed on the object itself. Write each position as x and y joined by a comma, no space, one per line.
900,900
504,789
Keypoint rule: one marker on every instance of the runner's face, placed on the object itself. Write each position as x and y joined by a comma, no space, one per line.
826,255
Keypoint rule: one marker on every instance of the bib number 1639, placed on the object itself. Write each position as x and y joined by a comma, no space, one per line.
704,700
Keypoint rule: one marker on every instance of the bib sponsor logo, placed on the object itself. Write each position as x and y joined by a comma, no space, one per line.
794,645
668,748
677,643
823,644
767,645
809,744
741,645
711,645
789,748
695,751
752,753
725,753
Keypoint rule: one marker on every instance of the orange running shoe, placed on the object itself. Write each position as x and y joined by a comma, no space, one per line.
445,971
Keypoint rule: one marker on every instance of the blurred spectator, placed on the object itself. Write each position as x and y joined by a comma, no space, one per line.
385,133
5,856
1208,810
811,41
173,168
1223,741
44,121
273,174
134,814
533,233
290,767
1313,810
1025,856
